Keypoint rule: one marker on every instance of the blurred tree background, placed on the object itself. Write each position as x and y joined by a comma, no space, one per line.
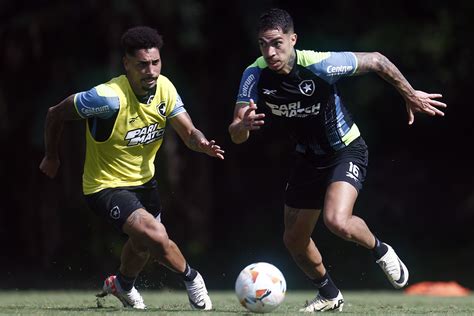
418,196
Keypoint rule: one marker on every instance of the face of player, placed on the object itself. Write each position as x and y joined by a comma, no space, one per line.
143,69
278,49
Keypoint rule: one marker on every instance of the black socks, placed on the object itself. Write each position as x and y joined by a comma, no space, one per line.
380,249
125,282
189,273
326,287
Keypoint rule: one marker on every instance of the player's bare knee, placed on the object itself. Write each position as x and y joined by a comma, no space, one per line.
156,236
145,231
338,226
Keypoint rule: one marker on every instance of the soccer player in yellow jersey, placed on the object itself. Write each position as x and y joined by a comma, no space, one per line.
126,119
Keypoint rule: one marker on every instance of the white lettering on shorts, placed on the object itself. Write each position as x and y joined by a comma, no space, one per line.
353,172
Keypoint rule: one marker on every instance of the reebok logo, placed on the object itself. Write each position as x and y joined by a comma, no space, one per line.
269,92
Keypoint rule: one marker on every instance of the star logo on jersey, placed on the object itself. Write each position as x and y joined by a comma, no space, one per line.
115,212
161,108
307,87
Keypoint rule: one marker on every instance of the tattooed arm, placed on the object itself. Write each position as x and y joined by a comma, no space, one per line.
194,138
416,101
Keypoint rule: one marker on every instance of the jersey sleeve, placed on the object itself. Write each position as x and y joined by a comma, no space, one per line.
331,66
178,107
248,84
101,101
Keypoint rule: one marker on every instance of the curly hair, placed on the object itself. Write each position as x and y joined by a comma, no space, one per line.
140,37
275,19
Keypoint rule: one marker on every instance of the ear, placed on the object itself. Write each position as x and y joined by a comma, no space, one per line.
293,39
125,62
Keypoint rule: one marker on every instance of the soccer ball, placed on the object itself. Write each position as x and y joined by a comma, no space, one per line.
260,287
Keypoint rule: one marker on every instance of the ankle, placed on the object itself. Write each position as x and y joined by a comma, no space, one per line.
189,274
326,286
380,249
126,283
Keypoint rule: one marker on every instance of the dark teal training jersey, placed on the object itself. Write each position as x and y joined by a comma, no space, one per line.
306,100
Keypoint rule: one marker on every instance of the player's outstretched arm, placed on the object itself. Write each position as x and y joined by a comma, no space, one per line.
245,120
194,138
52,134
416,101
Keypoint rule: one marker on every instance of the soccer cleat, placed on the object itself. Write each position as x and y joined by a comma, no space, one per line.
197,293
322,304
396,271
128,298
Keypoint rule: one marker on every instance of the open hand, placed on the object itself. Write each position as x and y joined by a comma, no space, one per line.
251,120
424,103
210,148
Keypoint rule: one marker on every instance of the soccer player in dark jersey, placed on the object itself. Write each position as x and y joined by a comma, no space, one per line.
125,124
297,88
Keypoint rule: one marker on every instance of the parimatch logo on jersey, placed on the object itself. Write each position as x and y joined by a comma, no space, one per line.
145,135
293,109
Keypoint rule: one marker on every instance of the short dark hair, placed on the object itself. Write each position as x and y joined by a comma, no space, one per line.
140,37
275,18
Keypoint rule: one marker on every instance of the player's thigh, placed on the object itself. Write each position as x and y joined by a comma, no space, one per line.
143,228
306,184
344,183
339,201
150,199
115,205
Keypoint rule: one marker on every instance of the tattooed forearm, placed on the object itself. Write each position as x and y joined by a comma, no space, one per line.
380,64
195,139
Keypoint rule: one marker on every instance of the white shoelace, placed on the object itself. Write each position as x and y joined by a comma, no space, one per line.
391,265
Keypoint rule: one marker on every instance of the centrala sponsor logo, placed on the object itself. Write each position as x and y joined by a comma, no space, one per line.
338,70
294,109
96,110
247,86
144,135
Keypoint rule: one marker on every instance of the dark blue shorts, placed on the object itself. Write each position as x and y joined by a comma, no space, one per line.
116,204
311,174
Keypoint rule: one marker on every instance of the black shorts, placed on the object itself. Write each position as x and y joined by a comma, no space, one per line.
312,174
116,204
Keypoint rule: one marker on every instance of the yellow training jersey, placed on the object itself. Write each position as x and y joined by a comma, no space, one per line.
126,157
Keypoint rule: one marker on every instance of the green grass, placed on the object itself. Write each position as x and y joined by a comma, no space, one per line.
225,303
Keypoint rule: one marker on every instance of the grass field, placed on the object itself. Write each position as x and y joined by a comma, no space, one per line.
225,303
